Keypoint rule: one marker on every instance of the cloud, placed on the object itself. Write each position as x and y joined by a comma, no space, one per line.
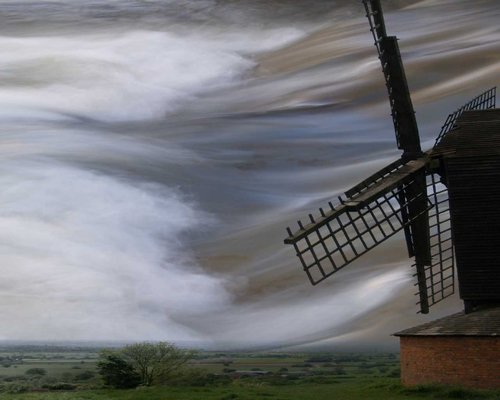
87,256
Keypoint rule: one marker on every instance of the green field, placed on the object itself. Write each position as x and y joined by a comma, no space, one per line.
71,374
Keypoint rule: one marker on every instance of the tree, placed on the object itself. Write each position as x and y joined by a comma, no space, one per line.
155,362
117,372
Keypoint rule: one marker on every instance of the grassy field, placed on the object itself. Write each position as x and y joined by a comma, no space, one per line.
71,375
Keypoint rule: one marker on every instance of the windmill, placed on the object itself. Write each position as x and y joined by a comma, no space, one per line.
413,194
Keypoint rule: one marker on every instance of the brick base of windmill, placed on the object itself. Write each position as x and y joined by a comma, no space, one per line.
460,349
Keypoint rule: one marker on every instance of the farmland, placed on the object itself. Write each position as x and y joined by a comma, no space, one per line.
70,373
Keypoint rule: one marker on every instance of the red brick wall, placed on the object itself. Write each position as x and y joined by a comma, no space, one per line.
466,361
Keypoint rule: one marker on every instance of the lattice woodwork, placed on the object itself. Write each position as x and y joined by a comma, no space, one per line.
485,101
440,274
371,214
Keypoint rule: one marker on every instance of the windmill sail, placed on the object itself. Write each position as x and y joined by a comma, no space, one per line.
439,275
485,101
403,114
408,140
368,214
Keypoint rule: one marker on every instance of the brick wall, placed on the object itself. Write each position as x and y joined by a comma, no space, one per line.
458,360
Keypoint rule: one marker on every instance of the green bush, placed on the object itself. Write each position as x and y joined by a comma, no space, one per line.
67,377
302,365
59,386
116,372
36,371
324,380
447,392
84,376
230,396
198,378
319,359
395,373
15,378
217,380
15,387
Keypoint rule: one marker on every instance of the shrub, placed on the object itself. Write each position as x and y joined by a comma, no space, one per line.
319,359
320,380
212,379
67,376
421,389
230,396
36,371
15,387
198,377
86,375
447,392
395,373
16,378
59,386
462,393
116,372
304,365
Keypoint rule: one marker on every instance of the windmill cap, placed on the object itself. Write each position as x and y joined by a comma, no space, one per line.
476,134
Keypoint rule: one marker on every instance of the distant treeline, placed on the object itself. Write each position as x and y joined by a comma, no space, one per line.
45,348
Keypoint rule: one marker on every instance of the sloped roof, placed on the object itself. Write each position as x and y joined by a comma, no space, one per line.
478,323
477,133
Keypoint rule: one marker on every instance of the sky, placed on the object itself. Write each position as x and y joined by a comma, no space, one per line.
153,153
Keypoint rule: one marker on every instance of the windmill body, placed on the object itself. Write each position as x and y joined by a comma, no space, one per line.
470,159
445,201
